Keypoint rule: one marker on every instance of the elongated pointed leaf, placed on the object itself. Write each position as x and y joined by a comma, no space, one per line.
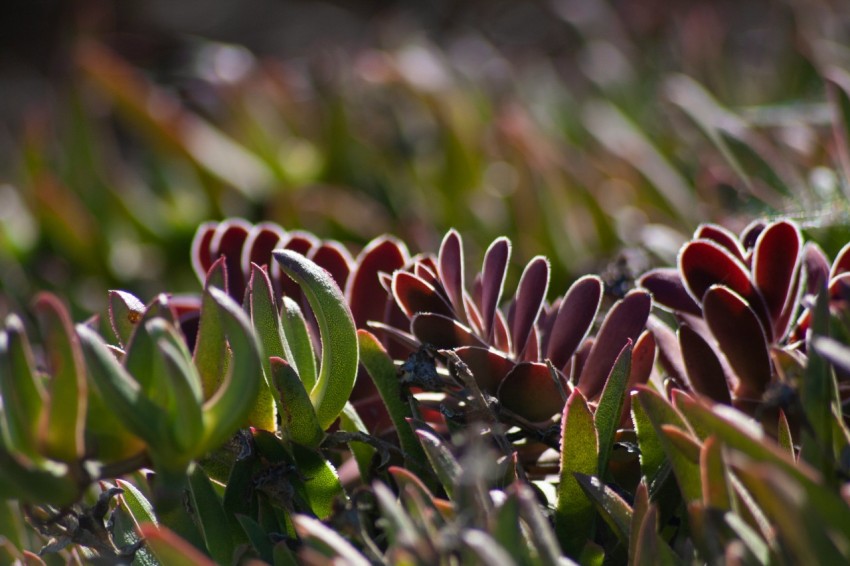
716,492
231,405
210,355
338,334
493,274
451,270
297,343
298,419
776,259
63,419
211,517
705,372
614,509
442,460
414,295
816,394
326,543
171,549
125,311
23,395
607,416
574,513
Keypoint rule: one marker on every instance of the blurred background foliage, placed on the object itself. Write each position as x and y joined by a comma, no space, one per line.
579,128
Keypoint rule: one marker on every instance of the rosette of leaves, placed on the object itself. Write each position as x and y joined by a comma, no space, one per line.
736,300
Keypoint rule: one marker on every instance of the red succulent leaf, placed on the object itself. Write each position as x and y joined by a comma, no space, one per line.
501,339
817,267
415,295
530,294
625,321
425,268
442,331
531,352
364,291
669,353
782,325
776,257
643,359
741,338
493,281
722,236
704,263
668,290
839,287
334,259
488,366
262,239
529,391
705,372
451,271
303,243
473,316
841,263
750,234
228,241
573,320
579,360
202,258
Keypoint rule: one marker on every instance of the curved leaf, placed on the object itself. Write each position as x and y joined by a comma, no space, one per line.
704,263
493,273
530,296
705,372
529,391
668,290
297,343
298,419
442,332
776,258
125,311
22,394
451,270
338,334
364,291
575,316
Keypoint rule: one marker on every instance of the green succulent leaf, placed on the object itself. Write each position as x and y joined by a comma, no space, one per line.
816,396
50,483
211,517
298,344
445,465
258,536
231,405
399,526
321,483
338,334
298,419
716,492
125,311
140,359
574,512
211,356
63,420
613,508
610,408
350,421
171,549
138,511
22,393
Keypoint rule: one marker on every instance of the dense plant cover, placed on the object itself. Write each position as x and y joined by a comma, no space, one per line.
309,405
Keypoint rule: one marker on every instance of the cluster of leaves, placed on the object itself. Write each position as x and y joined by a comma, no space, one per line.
385,408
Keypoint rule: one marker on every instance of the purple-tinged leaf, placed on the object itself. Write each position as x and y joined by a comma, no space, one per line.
841,263
364,291
442,331
742,340
451,270
125,311
202,258
643,360
574,318
722,236
335,259
489,367
625,321
501,339
750,234
704,263
716,492
776,258
669,352
386,282
640,508
816,266
705,371
415,295
262,239
493,274
228,241
531,352
611,506
668,290
530,295
473,316
529,391
832,351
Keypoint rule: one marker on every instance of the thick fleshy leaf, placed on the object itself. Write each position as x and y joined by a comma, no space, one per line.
442,332
297,342
364,291
607,416
23,395
668,290
650,549
612,507
750,233
210,355
265,319
722,236
211,517
335,259
415,295
298,421
816,266
228,241
171,549
382,371
625,321
202,258
574,512
63,416
487,365
649,407
776,258
125,311
493,273
817,392
302,243
574,318
704,263
529,391
443,462
669,352
530,295
841,263
742,340
540,533
451,270
230,406
337,333
716,492
705,373
262,239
